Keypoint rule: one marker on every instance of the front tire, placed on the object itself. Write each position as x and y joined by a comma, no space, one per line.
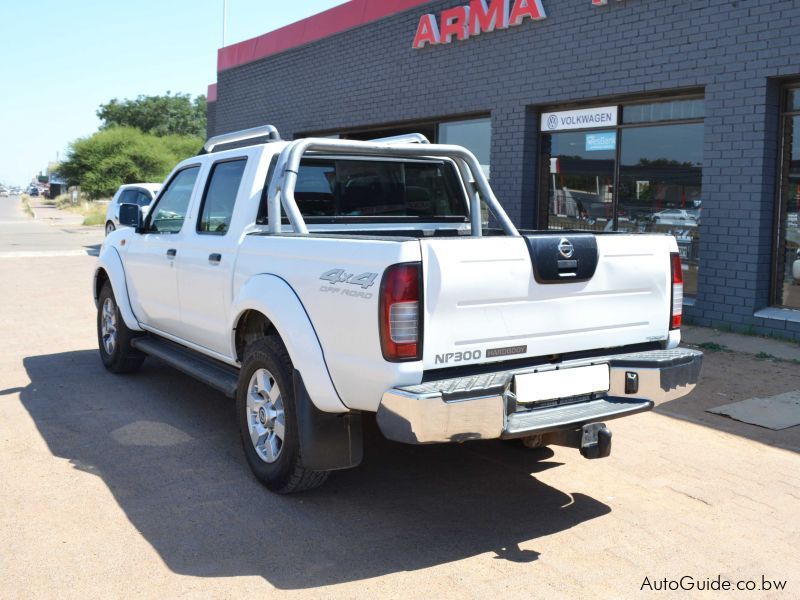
267,416
113,336
110,228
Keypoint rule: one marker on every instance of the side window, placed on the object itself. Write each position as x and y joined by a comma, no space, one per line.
170,210
128,197
143,198
220,196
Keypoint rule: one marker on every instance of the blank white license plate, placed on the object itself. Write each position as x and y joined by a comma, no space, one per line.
563,383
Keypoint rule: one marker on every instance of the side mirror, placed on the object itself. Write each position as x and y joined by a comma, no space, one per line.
130,215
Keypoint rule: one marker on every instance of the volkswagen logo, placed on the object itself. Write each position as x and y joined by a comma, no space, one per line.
552,122
565,248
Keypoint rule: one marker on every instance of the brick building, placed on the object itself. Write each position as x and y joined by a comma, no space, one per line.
629,115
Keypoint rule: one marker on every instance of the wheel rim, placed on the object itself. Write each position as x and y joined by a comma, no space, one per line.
109,228
108,325
266,419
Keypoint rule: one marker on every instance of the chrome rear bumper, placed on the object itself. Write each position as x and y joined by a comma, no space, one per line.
483,406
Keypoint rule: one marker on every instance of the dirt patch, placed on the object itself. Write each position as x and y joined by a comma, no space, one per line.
729,377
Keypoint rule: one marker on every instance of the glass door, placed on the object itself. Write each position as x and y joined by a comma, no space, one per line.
579,167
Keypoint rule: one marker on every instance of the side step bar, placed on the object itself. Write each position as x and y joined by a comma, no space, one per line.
215,374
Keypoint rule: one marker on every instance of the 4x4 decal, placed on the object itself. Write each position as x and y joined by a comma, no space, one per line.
365,280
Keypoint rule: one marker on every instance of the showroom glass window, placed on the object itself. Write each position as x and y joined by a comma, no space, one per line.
642,175
475,135
787,279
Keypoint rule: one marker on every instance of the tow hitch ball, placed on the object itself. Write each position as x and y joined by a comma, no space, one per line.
595,441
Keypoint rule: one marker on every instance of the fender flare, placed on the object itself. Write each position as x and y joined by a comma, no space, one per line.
110,262
287,314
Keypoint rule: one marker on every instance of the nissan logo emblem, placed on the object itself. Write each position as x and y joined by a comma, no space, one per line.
565,248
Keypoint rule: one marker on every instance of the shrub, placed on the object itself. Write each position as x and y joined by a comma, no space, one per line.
115,156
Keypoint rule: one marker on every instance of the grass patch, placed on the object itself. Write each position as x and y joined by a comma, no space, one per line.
96,218
765,356
93,213
714,347
26,205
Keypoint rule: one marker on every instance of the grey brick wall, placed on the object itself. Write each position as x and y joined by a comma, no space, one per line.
737,51
211,123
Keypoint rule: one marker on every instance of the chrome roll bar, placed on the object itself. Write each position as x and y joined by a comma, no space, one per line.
282,188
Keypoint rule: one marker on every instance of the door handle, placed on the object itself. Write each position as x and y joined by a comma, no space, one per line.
215,258
171,253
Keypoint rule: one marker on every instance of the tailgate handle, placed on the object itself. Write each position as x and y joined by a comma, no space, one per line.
171,253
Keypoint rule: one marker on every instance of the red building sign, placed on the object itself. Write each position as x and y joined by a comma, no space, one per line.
479,16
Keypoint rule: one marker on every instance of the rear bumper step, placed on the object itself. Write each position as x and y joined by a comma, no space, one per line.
484,406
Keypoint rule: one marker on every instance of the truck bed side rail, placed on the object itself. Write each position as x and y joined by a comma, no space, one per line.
282,187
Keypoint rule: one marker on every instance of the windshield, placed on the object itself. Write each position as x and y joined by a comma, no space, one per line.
334,189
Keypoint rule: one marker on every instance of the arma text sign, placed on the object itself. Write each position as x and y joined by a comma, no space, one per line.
475,18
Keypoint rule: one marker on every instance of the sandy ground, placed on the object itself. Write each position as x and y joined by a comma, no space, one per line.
136,486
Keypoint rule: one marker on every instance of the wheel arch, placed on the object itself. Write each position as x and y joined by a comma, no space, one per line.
109,269
267,304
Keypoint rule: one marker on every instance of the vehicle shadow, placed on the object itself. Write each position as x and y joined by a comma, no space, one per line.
168,449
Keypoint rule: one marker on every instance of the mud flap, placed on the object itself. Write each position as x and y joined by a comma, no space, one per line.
328,441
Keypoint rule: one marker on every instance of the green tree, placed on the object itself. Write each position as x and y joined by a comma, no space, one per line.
159,115
114,156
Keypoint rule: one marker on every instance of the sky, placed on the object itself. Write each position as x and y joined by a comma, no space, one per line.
60,60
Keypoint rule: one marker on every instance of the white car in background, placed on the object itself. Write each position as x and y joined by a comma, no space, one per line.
675,216
141,194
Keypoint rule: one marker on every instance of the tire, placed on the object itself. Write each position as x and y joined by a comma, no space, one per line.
114,337
263,413
110,228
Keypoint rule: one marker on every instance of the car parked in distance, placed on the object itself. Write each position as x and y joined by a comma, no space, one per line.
141,194
675,216
4,192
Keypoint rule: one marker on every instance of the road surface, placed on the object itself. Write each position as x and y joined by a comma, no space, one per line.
136,486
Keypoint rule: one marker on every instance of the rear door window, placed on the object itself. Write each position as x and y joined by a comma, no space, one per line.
220,196
329,189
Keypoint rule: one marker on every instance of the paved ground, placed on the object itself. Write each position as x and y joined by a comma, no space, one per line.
53,233
136,486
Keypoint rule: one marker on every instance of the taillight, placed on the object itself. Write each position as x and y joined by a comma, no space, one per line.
677,292
399,313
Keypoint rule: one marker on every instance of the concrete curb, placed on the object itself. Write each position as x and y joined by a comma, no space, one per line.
737,342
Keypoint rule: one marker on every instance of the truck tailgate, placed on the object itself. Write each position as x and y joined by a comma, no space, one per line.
485,301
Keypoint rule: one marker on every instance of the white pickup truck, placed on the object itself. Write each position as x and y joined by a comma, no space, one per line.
319,280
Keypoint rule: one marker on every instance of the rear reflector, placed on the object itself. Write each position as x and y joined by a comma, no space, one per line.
399,313
677,292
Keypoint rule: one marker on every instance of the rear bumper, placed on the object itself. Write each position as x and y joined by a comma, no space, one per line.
484,407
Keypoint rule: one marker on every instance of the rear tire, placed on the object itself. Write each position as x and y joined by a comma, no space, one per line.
113,336
265,409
